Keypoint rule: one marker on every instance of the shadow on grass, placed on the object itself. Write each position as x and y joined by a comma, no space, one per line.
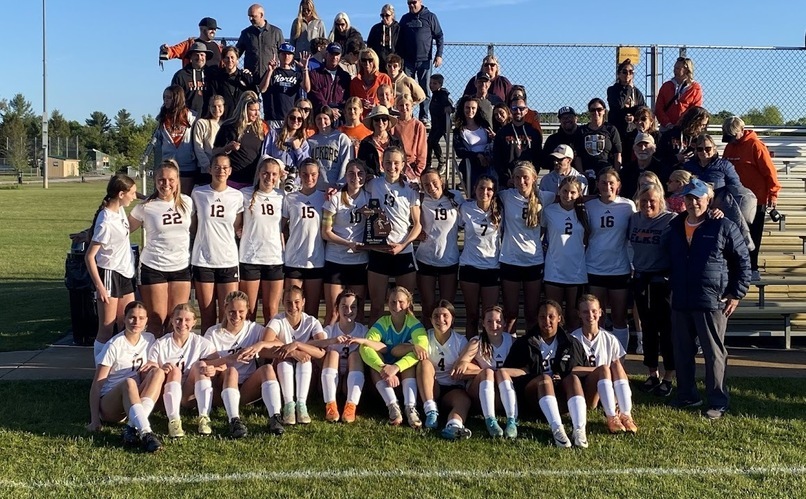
33,315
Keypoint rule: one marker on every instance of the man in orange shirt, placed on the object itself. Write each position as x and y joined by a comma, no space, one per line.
207,31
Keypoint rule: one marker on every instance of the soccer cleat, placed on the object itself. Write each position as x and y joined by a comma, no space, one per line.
650,384
560,437
493,428
348,416
289,414
511,429
454,432
580,438
150,443
628,423
130,437
204,425
236,428
302,413
331,412
431,418
276,425
412,417
664,389
395,416
614,425
175,428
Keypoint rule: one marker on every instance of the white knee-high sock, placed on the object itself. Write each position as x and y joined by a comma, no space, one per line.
97,349
387,393
172,398
232,399
548,404
303,372
409,391
508,398
429,405
285,375
138,419
621,387
355,384
487,398
605,389
270,391
330,378
578,411
148,404
623,336
203,389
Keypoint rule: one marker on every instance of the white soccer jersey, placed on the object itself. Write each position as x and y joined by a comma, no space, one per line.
112,233
308,327
602,350
609,223
123,358
482,238
167,229
520,244
348,223
226,343
305,248
216,212
440,218
500,353
565,258
262,237
334,331
166,351
445,356
547,351
396,201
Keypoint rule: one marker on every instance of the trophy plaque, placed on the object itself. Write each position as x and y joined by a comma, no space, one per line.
376,225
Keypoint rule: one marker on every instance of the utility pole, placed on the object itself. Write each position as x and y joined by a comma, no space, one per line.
44,101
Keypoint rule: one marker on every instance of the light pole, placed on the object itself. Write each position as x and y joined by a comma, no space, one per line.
44,102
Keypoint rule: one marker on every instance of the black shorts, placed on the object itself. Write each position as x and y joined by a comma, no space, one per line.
189,174
580,287
516,273
485,278
116,285
391,265
149,276
345,275
303,274
609,281
224,275
434,271
252,272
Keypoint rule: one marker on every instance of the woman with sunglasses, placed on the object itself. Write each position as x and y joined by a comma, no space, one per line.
709,167
342,32
678,94
499,84
289,144
309,124
371,149
598,143
241,139
369,78
623,98
383,36
676,145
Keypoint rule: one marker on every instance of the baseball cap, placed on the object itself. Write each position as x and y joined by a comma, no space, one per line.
482,76
644,137
287,47
333,48
565,110
563,151
695,188
209,23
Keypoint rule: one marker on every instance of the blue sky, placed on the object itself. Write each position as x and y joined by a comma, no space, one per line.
102,55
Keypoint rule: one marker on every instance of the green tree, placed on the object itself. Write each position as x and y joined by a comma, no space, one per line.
18,124
769,115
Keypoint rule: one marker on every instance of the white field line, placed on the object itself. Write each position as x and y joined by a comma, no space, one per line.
278,476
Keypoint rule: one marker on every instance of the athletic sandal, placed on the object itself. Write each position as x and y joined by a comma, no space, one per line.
614,425
331,412
348,416
628,423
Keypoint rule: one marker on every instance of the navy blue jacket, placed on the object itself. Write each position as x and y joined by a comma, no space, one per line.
417,33
716,264
719,172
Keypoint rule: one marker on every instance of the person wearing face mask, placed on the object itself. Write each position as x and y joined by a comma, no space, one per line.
645,161
565,135
623,98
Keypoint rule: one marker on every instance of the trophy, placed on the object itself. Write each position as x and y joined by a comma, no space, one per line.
376,225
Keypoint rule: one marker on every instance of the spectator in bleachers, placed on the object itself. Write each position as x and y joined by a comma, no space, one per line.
330,84
707,166
643,148
318,53
710,273
330,148
241,139
624,99
230,82
485,98
565,134
306,27
371,149
306,106
342,32
678,94
645,122
413,135
196,79
207,31
386,98
402,83
472,141
174,138
502,116
754,166
369,78
259,43
516,141
562,159
441,106
383,36
289,142
282,83
419,31
676,145
598,143
204,132
532,116
352,126
500,86
350,54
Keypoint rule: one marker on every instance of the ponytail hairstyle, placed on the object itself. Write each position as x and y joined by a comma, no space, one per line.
310,162
294,289
485,347
495,207
179,203
267,161
118,183
445,192
345,293
556,306
579,208
231,297
409,297
534,207
402,153
345,198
